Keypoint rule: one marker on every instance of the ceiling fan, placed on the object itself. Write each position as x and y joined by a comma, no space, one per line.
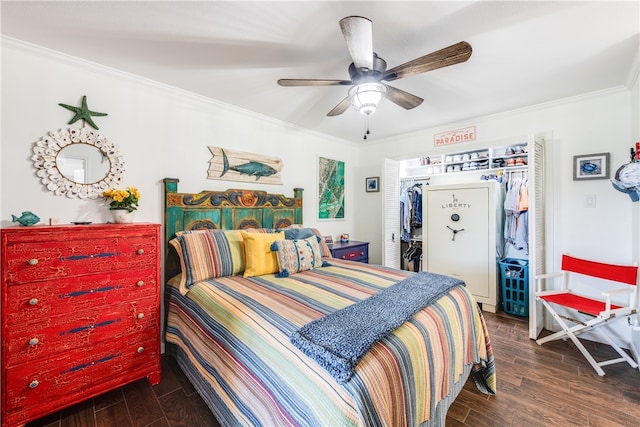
369,72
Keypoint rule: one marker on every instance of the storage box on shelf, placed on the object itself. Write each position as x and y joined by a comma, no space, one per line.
80,314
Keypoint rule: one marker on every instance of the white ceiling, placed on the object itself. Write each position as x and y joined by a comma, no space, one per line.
524,53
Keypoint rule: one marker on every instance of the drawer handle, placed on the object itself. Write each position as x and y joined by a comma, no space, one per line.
33,301
140,315
140,251
82,257
140,283
33,261
140,349
90,291
33,341
361,253
33,384
344,257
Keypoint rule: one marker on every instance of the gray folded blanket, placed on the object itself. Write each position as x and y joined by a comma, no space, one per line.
339,340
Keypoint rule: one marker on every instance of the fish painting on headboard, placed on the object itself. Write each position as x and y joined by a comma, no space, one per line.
232,165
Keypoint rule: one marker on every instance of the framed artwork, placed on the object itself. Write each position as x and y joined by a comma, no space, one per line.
591,166
330,188
231,165
372,184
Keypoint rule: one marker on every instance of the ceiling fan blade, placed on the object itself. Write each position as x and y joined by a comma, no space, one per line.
341,107
358,33
451,55
313,82
404,99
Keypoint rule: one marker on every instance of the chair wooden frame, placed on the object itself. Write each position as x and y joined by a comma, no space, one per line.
601,313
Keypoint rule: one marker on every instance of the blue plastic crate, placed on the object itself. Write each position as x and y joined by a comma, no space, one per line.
514,274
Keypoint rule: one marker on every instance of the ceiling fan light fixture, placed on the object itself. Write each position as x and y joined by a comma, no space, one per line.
365,97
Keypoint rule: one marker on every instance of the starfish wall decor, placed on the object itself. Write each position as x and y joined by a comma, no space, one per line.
83,113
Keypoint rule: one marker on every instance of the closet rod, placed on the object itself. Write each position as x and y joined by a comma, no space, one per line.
521,172
415,178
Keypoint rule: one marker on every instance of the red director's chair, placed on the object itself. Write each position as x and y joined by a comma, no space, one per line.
599,314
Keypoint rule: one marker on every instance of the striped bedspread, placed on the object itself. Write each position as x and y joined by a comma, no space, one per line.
231,336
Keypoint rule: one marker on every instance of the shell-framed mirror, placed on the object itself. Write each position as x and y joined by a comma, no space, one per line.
77,163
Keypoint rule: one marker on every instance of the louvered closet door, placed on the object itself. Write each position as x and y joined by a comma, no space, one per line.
536,231
391,218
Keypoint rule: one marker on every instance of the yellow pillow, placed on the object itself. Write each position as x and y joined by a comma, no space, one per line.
258,257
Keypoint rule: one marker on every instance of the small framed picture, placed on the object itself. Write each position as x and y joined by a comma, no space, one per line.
591,166
372,184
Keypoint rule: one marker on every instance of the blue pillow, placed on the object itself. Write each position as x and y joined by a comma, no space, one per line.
298,233
295,256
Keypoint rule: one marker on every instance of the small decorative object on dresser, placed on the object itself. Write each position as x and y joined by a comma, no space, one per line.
27,218
352,251
123,204
80,314
122,216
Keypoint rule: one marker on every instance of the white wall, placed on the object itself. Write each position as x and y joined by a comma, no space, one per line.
162,132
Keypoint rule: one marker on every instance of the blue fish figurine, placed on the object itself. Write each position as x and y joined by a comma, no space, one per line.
251,168
27,218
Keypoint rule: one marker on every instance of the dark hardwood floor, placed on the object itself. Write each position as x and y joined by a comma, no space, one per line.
549,385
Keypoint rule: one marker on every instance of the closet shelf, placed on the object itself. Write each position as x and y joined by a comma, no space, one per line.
479,160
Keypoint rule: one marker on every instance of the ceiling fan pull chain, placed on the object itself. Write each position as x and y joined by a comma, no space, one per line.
366,126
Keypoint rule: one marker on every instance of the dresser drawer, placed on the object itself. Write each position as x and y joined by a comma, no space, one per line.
27,343
31,261
352,252
76,370
35,301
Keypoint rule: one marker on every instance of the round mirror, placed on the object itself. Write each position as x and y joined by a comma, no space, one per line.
83,163
77,162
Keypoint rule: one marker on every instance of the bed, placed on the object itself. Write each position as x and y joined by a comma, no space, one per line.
233,336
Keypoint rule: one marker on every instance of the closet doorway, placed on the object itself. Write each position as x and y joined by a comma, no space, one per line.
391,248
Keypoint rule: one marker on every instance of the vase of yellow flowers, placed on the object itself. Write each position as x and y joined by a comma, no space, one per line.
123,204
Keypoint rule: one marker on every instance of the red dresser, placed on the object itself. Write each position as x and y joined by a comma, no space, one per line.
80,314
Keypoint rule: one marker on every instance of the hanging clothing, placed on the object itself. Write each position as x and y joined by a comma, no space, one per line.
416,201
511,209
410,210
516,209
522,232
413,255
405,215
